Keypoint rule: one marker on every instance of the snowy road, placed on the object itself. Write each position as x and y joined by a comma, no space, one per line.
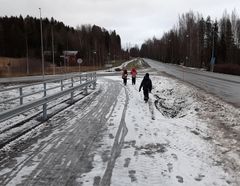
110,138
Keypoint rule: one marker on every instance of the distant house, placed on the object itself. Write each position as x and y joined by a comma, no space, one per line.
70,57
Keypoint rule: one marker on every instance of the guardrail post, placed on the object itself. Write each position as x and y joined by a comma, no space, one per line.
94,85
21,94
45,104
95,78
72,91
86,88
61,85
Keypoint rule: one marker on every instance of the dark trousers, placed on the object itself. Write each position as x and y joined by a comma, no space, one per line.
133,80
146,94
125,81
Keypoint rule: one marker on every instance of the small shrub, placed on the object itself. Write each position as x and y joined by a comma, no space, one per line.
118,69
232,69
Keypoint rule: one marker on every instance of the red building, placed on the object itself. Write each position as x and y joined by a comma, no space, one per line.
70,57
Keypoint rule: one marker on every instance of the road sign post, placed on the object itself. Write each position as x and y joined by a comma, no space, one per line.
79,61
212,64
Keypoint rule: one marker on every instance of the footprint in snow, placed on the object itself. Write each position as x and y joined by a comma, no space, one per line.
97,180
174,156
199,177
132,175
170,167
180,179
127,162
111,136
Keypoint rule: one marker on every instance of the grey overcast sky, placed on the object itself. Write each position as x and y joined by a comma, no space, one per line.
134,20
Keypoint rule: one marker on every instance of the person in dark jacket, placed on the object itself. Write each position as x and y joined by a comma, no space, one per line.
146,84
124,76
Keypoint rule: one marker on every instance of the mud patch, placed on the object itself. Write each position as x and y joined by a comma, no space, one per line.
195,132
96,181
180,179
111,124
127,162
199,177
174,156
151,149
170,167
105,155
111,136
128,144
132,175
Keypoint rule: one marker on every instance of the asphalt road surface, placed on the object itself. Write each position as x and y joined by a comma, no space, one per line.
227,87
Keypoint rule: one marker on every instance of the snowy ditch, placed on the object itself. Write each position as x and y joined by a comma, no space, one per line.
170,108
172,100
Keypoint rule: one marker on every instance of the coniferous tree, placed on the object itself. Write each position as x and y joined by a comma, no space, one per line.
18,34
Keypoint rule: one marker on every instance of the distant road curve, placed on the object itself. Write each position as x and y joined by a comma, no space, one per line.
227,87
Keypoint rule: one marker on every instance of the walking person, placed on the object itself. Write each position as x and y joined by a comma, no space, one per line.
146,84
134,74
124,76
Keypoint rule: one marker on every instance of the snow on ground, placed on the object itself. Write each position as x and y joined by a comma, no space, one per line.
193,139
8,129
42,145
174,149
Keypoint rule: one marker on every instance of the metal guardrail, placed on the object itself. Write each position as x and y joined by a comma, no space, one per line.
66,85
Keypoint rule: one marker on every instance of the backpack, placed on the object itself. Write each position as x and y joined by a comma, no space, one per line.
125,74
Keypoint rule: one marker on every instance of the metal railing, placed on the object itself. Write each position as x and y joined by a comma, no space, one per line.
27,97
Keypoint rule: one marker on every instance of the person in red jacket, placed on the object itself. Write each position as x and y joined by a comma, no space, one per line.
134,74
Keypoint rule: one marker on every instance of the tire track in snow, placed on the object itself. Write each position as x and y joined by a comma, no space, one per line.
42,150
117,146
67,154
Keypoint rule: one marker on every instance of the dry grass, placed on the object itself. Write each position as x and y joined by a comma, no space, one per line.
138,63
12,67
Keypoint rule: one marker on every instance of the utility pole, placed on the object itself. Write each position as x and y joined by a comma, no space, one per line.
27,55
53,51
213,43
213,46
188,51
43,73
26,39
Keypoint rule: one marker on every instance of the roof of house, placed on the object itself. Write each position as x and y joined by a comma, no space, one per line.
69,53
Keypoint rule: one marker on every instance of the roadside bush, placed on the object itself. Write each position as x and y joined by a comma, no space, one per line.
118,69
233,69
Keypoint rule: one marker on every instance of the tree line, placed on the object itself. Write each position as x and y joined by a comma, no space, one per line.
20,37
195,41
